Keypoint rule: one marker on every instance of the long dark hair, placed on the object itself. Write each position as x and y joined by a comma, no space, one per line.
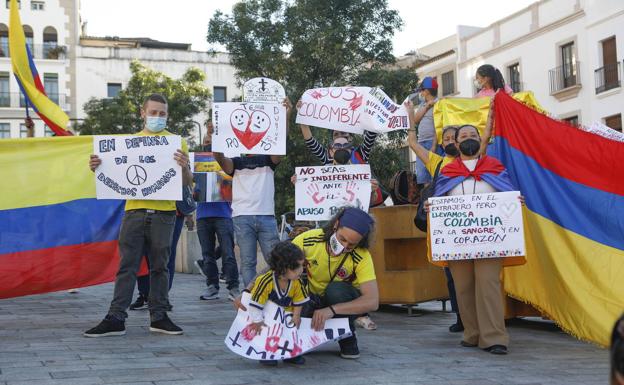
328,230
489,71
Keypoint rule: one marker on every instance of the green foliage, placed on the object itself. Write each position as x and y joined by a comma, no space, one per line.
186,96
315,43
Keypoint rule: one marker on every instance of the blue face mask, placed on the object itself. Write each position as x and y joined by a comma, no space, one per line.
155,123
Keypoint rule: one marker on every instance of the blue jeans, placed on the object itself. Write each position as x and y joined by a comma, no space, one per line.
251,230
223,230
422,174
143,282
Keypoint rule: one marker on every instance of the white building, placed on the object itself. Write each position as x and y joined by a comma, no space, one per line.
568,52
75,67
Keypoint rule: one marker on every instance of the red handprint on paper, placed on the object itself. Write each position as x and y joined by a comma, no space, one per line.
356,102
314,193
272,341
350,190
297,345
315,340
251,331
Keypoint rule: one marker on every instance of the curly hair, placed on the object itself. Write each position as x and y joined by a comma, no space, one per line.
328,230
285,256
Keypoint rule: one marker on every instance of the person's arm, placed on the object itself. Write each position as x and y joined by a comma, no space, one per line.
297,316
317,150
367,146
367,302
305,129
421,152
183,160
227,164
422,111
434,143
487,132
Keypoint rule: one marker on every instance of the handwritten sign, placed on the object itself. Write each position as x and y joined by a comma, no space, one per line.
476,226
382,114
263,90
212,184
320,191
335,108
280,339
249,128
138,167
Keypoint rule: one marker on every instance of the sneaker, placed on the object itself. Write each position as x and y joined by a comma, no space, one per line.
166,326
110,326
210,293
222,278
233,293
349,348
456,327
497,349
268,362
299,360
140,303
200,265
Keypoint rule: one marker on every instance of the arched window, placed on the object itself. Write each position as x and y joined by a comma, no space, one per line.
4,40
50,43
28,32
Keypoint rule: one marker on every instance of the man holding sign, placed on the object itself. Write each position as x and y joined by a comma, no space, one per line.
146,229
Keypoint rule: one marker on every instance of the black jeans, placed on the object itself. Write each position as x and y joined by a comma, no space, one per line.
221,229
450,284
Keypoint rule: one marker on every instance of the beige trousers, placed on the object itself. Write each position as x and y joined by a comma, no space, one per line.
480,300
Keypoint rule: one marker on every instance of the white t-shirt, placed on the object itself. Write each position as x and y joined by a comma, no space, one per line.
253,186
470,185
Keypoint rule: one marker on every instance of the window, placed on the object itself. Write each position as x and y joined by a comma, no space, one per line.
5,130
50,43
568,65
614,121
573,120
608,76
113,89
37,5
5,96
50,84
8,4
4,40
220,94
47,131
514,77
448,83
23,131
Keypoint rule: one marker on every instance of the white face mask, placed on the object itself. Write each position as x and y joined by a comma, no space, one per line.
335,246
477,84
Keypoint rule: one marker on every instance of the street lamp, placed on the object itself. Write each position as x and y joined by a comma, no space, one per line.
199,129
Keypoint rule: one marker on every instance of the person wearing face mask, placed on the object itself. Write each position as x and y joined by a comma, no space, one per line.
423,119
488,80
477,281
147,229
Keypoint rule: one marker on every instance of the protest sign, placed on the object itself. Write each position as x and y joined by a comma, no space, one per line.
382,114
476,226
249,128
212,184
280,339
263,90
320,191
335,108
138,167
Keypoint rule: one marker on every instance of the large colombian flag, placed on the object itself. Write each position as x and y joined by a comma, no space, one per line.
54,234
28,78
573,182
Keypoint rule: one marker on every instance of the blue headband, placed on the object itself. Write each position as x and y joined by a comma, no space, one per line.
357,220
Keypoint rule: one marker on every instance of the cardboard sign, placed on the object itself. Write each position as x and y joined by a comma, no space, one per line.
335,108
280,339
249,128
321,191
263,90
476,226
382,114
212,184
138,167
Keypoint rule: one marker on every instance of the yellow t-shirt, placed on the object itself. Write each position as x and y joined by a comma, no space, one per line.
266,288
320,266
151,204
434,159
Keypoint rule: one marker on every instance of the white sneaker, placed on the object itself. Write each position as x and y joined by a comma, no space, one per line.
210,293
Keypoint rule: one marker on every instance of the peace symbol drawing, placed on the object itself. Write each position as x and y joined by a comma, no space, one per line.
136,175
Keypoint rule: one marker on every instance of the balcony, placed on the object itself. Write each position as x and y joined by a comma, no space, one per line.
565,81
607,77
16,100
40,51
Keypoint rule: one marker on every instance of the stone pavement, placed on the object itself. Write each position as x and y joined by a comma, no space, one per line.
41,343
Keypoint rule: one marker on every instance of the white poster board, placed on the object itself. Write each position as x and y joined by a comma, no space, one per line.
263,90
335,108
138,167
476,226
249,128
280,339
321,191
382,114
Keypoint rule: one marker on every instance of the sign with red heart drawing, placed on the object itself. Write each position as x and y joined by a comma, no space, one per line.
249,128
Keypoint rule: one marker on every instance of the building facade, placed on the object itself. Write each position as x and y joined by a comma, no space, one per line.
75,68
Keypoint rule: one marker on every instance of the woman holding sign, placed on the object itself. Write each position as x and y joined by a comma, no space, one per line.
477,281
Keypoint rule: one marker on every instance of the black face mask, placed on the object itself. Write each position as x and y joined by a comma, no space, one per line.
470,147
342,156
451,149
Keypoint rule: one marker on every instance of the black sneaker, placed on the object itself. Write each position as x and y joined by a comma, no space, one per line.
110,326
456,327
497,349
268,362
349,348
299,360
166,326
140,303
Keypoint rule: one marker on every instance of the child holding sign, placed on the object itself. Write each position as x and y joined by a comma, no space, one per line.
282,286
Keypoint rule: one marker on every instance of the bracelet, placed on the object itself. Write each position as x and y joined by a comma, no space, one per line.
332,309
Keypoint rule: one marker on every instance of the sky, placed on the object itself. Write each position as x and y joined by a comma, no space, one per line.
186,21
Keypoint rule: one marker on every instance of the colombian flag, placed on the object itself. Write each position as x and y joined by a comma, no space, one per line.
54,234
28,78
573,183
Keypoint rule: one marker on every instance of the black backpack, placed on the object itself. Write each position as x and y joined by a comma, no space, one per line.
420,220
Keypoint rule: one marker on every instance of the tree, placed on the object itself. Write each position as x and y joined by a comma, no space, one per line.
186,97
305,44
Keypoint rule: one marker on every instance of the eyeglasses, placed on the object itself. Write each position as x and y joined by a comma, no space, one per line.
341,146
